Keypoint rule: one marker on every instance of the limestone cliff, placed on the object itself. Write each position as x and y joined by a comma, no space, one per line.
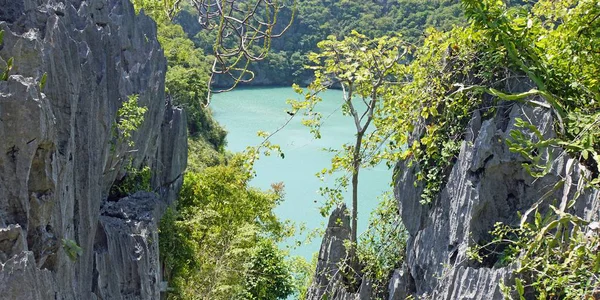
60,155
487,184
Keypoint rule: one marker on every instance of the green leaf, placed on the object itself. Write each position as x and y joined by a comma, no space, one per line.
72,249
9,65
520,288
43,81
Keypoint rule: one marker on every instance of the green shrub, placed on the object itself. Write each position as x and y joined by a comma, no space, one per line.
129,118
202,154
557,256
270,276
218,243
71,249
382,246
135,180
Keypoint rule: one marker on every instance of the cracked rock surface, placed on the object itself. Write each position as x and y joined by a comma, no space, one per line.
487,184
59,156
333,254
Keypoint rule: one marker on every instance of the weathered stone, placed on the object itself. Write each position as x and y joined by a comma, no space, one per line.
487,184
332,257
59,155
12,242
127,232
399,286
20,278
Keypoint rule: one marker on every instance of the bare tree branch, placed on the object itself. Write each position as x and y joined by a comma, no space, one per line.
243,32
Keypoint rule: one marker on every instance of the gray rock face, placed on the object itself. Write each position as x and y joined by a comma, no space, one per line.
327,281
487,184
59,155
126,260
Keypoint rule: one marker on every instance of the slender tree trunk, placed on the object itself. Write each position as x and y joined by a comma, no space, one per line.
356,161
355,171
354,205
353,233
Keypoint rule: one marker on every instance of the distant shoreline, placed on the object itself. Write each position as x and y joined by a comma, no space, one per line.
257,86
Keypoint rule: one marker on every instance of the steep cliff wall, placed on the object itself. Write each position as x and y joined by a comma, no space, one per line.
60,155
487,184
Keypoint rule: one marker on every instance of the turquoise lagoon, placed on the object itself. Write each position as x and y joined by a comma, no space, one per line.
245,111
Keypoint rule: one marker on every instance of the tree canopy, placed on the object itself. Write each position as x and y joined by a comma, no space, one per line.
316,19
419,106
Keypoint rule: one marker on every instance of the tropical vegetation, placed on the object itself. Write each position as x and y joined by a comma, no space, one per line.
429,101
221,240
417,89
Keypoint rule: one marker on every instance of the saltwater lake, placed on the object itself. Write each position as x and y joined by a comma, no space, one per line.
245,111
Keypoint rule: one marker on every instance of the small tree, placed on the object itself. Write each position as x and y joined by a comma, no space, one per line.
367,71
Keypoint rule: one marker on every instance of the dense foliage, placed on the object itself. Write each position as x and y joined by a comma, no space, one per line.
219,242
316,19
433,113
553,44
269,277
188,74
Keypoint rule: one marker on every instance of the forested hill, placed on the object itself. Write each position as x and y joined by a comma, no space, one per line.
317,19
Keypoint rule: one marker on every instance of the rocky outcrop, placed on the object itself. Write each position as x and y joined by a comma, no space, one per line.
60,155
487,184
332,256
126,248
329,281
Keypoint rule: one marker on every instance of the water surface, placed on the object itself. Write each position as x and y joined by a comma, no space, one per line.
245,111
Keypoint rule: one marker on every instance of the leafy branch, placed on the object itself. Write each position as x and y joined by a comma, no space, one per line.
130,118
